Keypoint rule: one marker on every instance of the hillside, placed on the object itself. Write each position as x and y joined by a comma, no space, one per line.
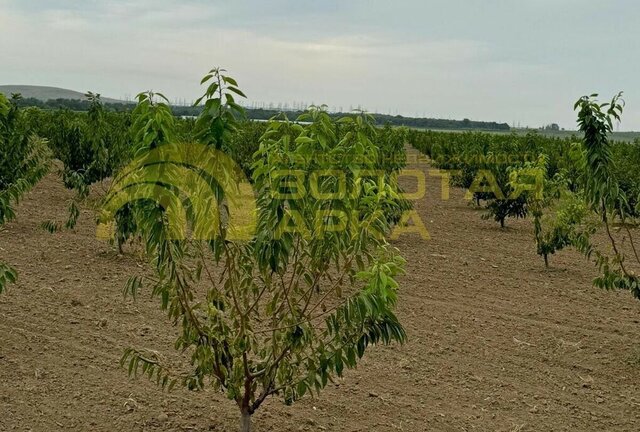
45,93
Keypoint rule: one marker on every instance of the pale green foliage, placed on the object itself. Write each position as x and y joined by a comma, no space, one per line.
567,224
300,302
560,217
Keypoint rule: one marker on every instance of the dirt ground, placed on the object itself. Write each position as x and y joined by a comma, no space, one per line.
496,341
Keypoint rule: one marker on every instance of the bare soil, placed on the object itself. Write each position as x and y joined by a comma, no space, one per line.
496,341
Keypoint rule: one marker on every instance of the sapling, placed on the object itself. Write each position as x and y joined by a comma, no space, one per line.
287,308
559,216
603,194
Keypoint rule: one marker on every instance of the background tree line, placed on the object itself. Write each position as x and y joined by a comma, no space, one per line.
266,114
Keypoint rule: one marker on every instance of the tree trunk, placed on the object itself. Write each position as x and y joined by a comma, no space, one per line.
245,421
546,261
502,223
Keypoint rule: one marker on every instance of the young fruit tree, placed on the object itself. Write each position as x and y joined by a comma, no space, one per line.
560,217
506,201
23,162
284,310
92,146
603,194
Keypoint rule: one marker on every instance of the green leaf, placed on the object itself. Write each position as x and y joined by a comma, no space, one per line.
206,78
230,80
237,91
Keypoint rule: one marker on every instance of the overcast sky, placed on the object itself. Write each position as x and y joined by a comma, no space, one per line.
522,61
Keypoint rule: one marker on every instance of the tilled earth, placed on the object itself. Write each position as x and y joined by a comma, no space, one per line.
496,341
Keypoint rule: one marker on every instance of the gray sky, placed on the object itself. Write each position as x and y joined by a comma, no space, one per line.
513,60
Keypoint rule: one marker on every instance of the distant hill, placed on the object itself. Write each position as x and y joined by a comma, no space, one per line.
44,93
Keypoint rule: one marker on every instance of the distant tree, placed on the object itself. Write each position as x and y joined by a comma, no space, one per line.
263,113
552,127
